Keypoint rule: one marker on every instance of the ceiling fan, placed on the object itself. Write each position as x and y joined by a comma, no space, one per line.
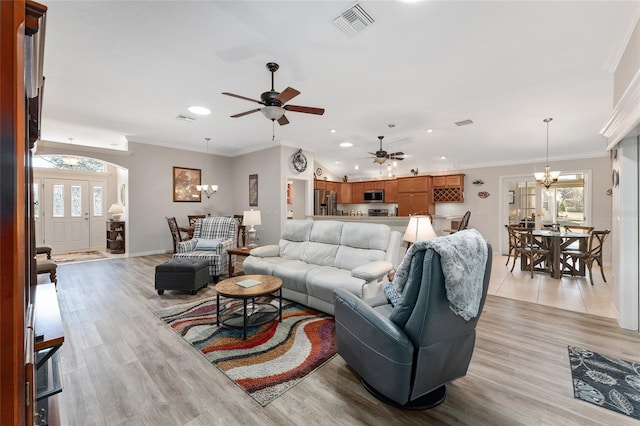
274,102
380,156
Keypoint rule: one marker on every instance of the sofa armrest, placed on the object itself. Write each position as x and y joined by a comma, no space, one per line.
186,246
372,271
272,250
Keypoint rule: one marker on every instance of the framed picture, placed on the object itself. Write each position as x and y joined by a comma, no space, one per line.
184,185
512,196
253,190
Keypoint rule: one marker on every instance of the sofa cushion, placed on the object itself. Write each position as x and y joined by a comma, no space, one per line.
365,235
293,274
320,254
350,257
262,265
297,230
328,232
293,250
323,280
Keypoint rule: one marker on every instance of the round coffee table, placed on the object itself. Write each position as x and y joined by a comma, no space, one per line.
250,313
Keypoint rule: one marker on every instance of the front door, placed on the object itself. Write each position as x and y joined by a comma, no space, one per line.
66,214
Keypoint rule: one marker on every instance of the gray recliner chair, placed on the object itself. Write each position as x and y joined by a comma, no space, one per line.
405,355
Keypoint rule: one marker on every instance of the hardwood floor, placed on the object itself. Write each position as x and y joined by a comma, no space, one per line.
122,366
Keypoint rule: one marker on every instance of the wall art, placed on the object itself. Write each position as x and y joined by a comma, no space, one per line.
184,185
253,190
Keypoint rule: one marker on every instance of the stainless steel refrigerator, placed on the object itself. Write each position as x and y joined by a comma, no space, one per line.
324,202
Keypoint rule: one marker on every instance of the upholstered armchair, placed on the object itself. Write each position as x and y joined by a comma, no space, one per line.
212,237
406,354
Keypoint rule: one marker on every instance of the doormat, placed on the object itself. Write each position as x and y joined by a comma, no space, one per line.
607,381
274,357
77,256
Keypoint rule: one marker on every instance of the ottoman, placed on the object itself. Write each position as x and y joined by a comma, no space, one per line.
182,274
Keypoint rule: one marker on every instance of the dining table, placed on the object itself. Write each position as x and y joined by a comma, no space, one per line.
556,242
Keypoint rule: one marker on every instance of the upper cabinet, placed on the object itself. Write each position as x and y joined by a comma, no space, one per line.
357,192
414,184
448,188
344,195
390,191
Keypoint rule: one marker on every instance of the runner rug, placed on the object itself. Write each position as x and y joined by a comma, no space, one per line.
77,256
606,381
273,358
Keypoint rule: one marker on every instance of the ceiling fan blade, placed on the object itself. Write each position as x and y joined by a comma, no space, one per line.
397,153
305,109
245,113
283,120
288,94
242,97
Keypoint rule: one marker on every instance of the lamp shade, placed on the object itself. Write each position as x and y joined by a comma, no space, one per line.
116,209
252,218
419,228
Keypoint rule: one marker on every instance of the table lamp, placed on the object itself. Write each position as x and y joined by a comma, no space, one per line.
116,211
419,228
252,218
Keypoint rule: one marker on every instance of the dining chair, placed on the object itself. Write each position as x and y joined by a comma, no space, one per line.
176,234
512,243
593,253
527,247
193,217
463,224
578,229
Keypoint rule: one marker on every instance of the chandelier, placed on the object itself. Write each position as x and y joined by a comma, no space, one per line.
207,189
547,178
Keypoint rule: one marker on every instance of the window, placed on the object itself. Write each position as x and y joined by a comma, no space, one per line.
97,201
58,201
76,201
62,162
564,202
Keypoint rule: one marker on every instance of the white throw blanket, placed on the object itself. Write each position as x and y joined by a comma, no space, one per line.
463,256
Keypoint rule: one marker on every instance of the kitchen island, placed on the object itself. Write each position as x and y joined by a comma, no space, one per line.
396,223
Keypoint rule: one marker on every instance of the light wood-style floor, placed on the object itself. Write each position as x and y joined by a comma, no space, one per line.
122,366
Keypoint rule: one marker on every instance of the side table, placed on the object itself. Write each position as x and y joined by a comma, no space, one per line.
239,251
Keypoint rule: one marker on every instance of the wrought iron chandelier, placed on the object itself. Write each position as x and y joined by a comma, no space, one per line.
547,178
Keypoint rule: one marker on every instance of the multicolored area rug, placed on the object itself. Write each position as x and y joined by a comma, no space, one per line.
606,381
273,358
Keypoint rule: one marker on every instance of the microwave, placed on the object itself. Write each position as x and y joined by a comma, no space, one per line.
374,196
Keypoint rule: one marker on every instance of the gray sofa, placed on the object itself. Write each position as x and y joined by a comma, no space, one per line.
315,257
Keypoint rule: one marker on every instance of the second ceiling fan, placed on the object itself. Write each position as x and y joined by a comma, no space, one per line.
274,102
380,156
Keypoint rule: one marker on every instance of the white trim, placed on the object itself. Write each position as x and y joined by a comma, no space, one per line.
625,115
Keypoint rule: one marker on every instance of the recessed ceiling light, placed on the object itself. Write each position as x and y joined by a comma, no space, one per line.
338,162
429,130
200,110
346,144
333,130
442,157
356,167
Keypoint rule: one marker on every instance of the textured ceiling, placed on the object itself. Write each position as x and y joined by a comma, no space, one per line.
122,71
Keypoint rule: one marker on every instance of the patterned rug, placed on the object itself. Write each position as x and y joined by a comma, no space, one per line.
275,356
606,381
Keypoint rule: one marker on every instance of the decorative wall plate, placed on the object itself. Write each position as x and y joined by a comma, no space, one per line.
299,161
483,194
319,171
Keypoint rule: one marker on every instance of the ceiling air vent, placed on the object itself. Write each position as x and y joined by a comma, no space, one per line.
353,20
463,123
185,118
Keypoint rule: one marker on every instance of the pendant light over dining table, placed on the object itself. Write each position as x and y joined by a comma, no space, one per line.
547,178
207,189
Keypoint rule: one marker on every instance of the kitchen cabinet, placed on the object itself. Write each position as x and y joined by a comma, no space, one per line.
414,184
344,195
333,186
374,184
390,191
319,184
410,203
357,192
448,189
